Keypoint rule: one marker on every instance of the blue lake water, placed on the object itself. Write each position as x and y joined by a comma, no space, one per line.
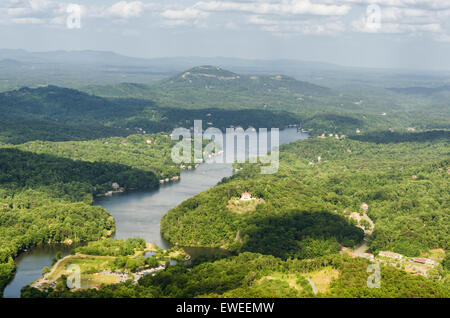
138,214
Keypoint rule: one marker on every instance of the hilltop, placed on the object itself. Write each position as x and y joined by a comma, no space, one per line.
216,81
211,77
60,104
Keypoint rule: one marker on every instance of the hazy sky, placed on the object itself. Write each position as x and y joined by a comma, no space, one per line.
376,33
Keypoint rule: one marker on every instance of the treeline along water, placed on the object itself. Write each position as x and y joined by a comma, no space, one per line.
138,214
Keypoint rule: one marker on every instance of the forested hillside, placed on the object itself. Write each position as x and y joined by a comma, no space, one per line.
45,199
319,109
253,275
302,210
149,152
47,188
60,114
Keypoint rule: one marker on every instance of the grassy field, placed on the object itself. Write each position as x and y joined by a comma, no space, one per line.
243,206
323,278
96,270
90,266
290,279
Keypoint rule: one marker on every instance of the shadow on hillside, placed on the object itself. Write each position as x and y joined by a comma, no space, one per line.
333,120
299,234
396,137
60,114
29,130
27,170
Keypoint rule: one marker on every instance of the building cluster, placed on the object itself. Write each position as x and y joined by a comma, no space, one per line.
335,136
424,261
167,180
139,274
392,255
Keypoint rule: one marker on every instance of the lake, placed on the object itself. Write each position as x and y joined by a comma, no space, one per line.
138,214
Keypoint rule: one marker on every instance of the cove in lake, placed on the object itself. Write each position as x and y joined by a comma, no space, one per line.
138,214
30,264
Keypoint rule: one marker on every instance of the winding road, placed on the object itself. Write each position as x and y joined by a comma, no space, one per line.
360,250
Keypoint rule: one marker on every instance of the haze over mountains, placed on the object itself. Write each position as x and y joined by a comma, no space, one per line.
80,68
155,94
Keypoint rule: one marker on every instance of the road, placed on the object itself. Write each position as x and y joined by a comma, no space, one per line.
372,225
312,285
364,247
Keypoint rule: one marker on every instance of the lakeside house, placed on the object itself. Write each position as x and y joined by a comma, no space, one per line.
245,196
390,255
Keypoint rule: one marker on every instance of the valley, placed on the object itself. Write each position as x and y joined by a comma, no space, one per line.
90,166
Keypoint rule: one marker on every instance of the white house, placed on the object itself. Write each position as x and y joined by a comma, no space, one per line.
245,196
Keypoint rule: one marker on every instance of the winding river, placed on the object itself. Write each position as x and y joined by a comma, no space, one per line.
137,214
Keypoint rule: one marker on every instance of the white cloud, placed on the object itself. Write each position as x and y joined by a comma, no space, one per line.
412,17
31,12
39,5
430,4
186,14
125,9
240,12
14,12
282,7
397,28
304,26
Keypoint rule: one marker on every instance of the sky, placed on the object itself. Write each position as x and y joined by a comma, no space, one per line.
369,33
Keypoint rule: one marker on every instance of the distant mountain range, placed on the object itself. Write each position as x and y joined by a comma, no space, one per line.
168,63
80,68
